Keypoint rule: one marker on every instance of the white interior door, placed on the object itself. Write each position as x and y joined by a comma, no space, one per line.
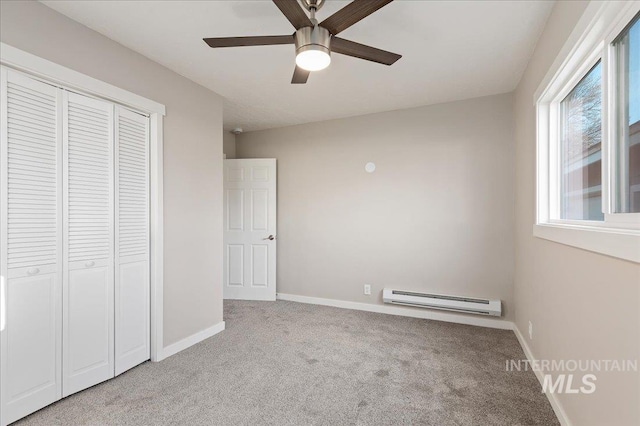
88,285
31,245
132,240
250,229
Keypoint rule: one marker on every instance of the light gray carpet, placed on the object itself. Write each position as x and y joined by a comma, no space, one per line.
285,363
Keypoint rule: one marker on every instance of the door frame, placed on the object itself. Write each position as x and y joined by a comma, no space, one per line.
66,78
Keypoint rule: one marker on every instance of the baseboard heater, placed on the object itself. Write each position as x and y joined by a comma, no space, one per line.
440,301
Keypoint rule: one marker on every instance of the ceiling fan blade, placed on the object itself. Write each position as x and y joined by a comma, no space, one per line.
300,76
357,50
352,13
249,41
294,13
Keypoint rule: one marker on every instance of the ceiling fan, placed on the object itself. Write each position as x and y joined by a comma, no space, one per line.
315,41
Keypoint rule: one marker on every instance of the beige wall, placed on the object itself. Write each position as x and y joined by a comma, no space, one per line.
437,215
192,154
582,305
229,147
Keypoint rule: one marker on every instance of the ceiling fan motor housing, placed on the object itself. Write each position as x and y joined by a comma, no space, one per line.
313,38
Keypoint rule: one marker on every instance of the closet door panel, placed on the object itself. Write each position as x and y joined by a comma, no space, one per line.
88,300
32,359
132,309
31,251
132,240
88,328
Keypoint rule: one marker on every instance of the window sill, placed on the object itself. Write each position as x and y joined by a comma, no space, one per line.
620,243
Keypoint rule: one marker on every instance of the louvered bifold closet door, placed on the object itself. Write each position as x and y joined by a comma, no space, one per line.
132,240
88,287
31,245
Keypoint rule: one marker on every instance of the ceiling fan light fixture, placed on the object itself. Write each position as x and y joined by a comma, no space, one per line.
312,48
313,59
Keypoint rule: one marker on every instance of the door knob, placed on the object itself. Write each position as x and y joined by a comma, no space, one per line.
270,237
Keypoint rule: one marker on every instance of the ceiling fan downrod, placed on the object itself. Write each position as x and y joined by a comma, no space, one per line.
312,6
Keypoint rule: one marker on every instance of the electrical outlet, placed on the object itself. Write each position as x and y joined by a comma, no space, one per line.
367,289
530,330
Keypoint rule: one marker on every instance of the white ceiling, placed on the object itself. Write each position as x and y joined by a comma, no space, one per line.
451,50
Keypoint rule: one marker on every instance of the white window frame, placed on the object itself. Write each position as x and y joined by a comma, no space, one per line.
591,41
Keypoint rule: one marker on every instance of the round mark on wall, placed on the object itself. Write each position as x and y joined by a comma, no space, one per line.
370,167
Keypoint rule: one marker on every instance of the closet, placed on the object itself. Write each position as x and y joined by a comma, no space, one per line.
74,242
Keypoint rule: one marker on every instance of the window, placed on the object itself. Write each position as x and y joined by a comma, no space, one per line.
581,149
588,139
627,52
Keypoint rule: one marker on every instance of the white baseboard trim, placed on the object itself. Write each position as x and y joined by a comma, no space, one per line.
552,397
401,311
198,337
